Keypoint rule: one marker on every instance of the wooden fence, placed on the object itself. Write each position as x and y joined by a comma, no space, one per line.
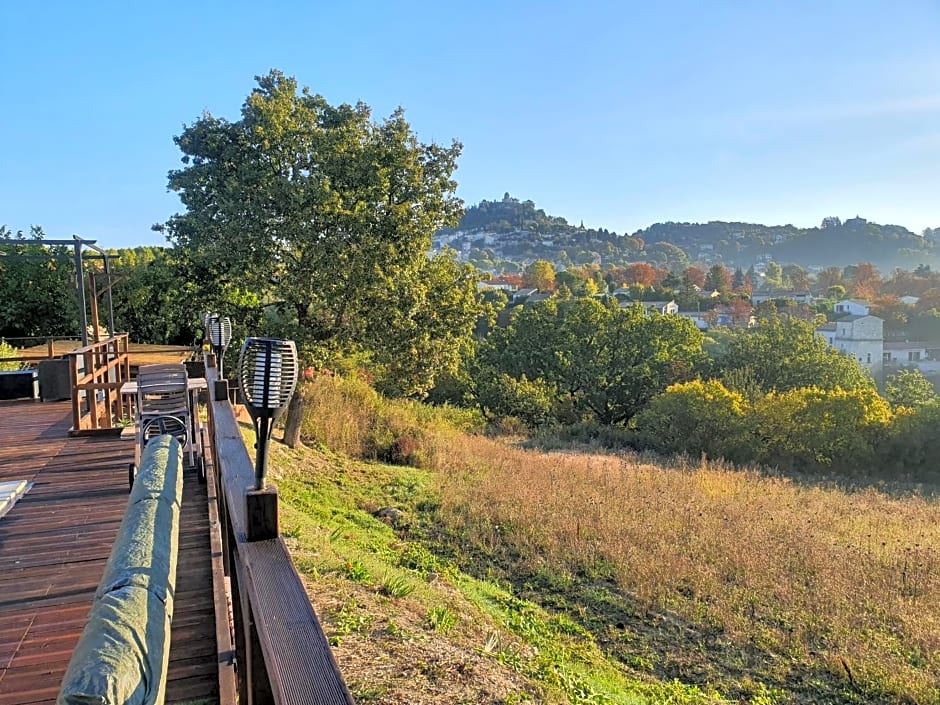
282,655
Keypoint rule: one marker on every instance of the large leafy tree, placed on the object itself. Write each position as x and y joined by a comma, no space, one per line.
786,353
604,362
325,216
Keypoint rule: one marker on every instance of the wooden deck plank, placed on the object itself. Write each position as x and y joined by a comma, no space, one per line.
54,544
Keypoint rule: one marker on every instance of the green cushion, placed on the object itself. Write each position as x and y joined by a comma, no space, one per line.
124,650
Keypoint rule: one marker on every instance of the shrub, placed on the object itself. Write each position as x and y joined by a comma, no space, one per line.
349,417
695,418
806,429
7,351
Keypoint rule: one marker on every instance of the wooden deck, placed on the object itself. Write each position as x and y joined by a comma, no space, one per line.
53,547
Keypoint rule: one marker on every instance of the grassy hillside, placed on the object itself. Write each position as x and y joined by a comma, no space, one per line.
511,576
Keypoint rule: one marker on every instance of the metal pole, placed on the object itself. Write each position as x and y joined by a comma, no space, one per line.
80,287
107,271
95,322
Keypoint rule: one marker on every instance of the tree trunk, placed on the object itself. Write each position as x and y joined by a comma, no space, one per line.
295,418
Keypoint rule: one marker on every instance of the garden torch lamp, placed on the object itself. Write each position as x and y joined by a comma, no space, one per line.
206,322
267,372
220,334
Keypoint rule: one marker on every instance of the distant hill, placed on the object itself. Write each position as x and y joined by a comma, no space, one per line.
501,235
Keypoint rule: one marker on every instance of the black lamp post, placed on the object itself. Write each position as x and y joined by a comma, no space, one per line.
267,372
220,335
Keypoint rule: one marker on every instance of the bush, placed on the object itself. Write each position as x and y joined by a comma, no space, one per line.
698,418
809,429
6,351
913,445
349,417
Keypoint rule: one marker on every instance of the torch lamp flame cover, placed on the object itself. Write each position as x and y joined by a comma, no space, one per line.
220,331
268,371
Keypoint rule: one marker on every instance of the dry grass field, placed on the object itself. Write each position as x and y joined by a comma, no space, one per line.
630,576
786,578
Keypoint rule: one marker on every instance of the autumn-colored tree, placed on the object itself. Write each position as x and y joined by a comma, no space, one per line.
641,273
827,278
540,275
866,281
693,275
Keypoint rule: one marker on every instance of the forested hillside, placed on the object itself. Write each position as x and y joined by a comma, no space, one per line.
497,235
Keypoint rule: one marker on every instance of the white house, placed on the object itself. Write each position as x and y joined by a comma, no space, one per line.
663,307
907,353
909,300
699,318
851,307
861,337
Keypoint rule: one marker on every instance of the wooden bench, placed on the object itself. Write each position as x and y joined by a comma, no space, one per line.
123,653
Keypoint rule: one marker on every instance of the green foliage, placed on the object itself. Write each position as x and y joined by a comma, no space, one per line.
441,619
396,586
913,444
503,396
695,418
326,217
786,353
153,299
8,351
601,361
356,571
909,388
37,293
812,428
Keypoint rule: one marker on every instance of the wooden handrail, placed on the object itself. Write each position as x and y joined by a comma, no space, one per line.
97,403
282,653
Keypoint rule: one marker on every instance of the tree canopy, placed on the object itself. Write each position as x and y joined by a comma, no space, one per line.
785,353
325,217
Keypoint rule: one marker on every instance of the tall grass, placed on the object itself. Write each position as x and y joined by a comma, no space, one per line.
819,580
849,582
349,417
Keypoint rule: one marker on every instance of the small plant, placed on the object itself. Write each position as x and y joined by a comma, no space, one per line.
396,586
441,619
350,618
291,532
419,558
355,571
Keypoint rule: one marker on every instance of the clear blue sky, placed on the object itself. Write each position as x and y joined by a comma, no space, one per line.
618,113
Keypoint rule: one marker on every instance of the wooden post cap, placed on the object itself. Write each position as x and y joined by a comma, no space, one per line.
261,514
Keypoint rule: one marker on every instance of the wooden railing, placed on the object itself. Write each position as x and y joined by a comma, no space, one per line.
282,655
97,373
49,354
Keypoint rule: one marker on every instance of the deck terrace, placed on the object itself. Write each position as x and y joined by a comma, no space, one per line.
54,544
